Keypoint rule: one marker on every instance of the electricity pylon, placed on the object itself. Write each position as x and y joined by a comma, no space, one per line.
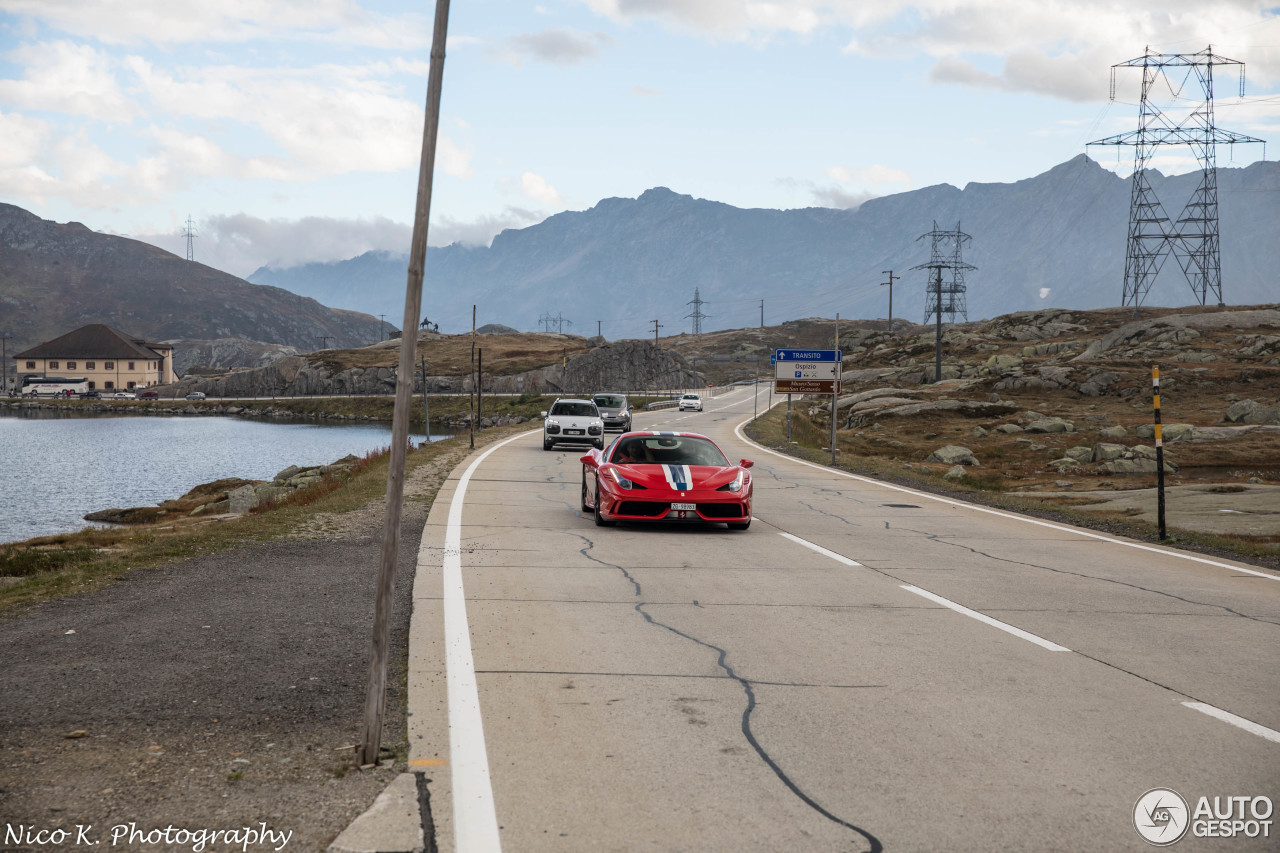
1193,237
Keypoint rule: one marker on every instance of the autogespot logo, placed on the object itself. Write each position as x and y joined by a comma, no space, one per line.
1161,817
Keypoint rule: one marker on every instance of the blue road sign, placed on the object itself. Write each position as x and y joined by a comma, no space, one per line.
810,355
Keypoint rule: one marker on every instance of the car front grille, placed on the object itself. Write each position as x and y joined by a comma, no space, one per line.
648,509
720,510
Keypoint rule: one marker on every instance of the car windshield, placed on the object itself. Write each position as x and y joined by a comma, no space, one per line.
575,410
691,396
667,450
611,401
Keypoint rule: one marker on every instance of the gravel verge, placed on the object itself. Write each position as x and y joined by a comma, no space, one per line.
215,693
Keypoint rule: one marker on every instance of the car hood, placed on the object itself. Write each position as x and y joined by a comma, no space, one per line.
574,421
681,478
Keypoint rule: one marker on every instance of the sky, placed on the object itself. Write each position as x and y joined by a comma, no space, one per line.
290,131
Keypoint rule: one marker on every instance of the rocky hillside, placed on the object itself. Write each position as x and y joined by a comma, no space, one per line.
1057,399
55,278
1053,240
512,363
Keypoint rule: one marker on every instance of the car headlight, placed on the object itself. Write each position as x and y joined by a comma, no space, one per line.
621,480
736,485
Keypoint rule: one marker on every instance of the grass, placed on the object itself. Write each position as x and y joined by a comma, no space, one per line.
990,488
80,562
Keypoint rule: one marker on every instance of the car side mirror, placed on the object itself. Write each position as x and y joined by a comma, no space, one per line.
590,460
746,463
542,414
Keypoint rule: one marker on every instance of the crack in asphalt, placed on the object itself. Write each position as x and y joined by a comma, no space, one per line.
839,518
934,537
723,664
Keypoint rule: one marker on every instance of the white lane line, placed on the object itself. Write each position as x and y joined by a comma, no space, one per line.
981,617
945,602
1239,722
1078,531
839,558
475,821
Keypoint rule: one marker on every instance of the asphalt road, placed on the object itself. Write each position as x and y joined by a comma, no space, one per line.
866,668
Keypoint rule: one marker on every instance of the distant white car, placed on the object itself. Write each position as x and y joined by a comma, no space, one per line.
122,395
573,421
691,402
196,395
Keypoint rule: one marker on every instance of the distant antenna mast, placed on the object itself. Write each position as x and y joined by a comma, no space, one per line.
190,233
697,314
1193,238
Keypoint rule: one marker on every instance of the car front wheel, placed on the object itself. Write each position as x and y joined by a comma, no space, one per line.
601,521
585,508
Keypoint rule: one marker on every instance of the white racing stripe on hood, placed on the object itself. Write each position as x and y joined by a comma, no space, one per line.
679,477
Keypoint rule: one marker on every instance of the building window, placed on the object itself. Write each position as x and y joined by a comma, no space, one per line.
88,365
132,385
31,365
71,365
53,365
92,385
109,365
131,367
108,385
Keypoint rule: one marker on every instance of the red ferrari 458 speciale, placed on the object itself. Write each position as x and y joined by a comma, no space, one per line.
666,476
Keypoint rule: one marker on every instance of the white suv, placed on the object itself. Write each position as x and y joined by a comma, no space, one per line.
572,420
692,402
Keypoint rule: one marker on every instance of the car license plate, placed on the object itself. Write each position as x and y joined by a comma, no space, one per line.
684,506
573,432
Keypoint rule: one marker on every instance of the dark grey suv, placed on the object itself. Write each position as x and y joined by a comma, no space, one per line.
614,411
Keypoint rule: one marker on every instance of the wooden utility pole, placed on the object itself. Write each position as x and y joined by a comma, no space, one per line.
890,283
479,384
426,411
376,696
471,398
835,392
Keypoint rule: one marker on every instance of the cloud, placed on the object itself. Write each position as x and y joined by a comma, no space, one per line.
839,198
556,46
645,92
133,22
537,188
68,78
240,243
1061,49
480,232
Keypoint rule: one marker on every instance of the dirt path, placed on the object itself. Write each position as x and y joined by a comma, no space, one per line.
214,693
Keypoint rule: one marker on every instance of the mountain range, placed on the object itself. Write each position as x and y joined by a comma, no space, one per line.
55,278
1054,240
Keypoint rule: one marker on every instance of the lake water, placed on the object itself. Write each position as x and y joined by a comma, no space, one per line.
55,468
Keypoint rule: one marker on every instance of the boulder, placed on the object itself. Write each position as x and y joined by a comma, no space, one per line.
1169,432
1140,465
964,408
1008,429
1051,425
953,454
1080,453
1252,412
1103,451
1000,365
956,473
1116,431
978,432
1098,384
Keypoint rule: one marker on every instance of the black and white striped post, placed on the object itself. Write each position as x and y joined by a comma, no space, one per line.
1155,398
